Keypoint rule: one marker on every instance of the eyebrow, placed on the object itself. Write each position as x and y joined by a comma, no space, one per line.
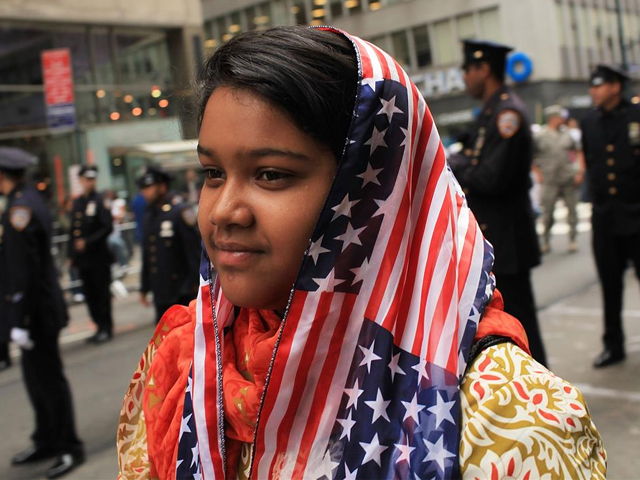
257,153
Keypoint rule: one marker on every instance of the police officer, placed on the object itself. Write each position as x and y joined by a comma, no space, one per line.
91,225
170,245
611,144
36,312
493,170
557,173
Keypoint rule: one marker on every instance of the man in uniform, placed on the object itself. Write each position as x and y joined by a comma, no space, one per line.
35,310
611,144
493,170
559,175
90,254
170,245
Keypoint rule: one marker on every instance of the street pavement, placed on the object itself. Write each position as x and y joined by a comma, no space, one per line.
570,316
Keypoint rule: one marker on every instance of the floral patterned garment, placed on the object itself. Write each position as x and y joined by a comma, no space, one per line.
518,421
521,421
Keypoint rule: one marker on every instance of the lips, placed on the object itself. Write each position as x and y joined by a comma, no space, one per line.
232,254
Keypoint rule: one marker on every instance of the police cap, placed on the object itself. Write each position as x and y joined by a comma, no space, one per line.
607,73
15,159
476,51
152,175
555,111
88,171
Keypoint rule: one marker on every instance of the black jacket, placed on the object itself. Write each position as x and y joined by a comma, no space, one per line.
91,221
611,144
170,252
32,297
494,171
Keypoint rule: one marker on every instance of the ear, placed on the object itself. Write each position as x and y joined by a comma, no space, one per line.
485,70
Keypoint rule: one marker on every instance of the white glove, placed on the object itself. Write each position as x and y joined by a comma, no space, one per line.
20,337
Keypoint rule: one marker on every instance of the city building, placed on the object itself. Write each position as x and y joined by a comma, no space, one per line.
556,41
81,81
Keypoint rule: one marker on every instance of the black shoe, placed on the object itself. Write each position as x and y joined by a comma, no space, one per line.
102,337
609,357
4,365
64,464
32,454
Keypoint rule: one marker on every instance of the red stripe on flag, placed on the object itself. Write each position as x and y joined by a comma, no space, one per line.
211,378
367,69
302,372
273,386
383,62
323,385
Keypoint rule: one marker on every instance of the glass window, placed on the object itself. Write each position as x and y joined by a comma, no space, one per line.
354,6
143,58
299,12
252,18
279,12
222,29
490,25
466,27
263,16
318,12
400,44
336,8
423,46
446,48
375,5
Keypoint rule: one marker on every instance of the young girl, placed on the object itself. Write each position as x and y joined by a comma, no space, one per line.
347,324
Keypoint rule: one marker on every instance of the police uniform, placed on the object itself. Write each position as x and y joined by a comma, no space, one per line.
36,312
552,155
92,222
170,248
611,144
493,170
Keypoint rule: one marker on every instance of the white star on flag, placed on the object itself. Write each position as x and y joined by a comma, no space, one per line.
328,283
379,407
349,475
189,385
184,428
370,175
437,452
373,450
344,208
178,463
405,132
360,271
421,368
394,367
350,236
376,140
317,249
413,409
405,451
442,410
389,108
370,82
347,425
353,394
194,455
198,474
369,356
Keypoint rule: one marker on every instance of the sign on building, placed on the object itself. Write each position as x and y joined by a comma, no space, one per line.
58,88
440,82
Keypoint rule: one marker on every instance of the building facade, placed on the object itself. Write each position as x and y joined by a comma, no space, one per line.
559,39
127,81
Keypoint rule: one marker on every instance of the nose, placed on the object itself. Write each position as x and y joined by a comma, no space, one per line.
230,206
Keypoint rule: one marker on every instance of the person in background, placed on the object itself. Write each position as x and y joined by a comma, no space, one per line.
494,171
90,254
138,207
5,358
559,174
118,208
611,145
66,223
36,312
170,245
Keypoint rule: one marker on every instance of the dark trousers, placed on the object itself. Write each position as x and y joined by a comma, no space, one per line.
163,307
96,285
612,255
50,395
519,302
4,353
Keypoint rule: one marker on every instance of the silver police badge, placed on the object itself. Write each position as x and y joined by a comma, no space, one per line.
166,229
634,134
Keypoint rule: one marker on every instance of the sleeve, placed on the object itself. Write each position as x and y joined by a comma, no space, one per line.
191,248
519,420
501,162
106,224
21,243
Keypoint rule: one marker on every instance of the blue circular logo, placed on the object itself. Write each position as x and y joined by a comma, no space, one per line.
519,66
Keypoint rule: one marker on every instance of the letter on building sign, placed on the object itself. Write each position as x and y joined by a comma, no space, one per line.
455,80
434,84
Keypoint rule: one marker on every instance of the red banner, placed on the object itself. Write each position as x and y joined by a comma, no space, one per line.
57,76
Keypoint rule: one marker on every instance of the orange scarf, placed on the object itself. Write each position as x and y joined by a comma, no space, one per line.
248,348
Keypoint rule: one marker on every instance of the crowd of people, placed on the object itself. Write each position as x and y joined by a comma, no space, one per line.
312,259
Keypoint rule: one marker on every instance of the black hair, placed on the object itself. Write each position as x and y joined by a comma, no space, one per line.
310,74
13,175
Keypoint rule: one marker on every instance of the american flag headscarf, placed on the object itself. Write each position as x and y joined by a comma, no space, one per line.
364,378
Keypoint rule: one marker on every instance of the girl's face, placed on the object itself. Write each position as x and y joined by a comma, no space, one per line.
265,184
